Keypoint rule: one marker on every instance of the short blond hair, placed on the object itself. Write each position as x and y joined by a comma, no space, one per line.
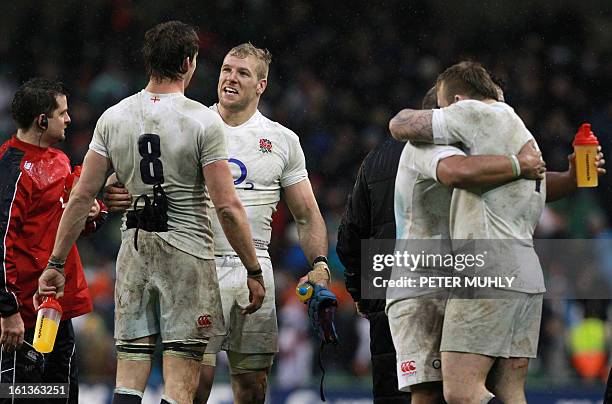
262,55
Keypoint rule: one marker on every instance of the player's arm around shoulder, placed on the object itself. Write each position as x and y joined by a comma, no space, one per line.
234,221
412,125
460,171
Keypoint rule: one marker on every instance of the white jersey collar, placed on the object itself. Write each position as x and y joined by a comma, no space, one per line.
253,118
146,93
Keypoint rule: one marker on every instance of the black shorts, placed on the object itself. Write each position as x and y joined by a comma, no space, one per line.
58,366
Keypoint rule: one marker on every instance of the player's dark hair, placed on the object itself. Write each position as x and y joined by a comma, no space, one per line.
166,46
36,96
469,79
430,100
498,81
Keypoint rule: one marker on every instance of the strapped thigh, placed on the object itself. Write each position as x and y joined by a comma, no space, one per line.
193,350
241,363
134,351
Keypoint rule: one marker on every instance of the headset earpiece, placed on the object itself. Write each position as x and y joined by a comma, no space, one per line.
43,122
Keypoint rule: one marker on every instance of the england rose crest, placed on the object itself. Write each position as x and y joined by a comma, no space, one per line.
265,146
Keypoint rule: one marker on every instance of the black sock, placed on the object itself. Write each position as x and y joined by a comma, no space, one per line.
122,398
167,400
495,400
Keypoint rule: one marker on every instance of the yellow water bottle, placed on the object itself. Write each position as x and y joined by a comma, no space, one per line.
47,323
585,148
304,292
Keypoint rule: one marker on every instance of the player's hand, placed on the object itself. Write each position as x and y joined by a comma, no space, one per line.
318,276
12,332
257,292
600,162
530,160
116,197
51,283
94,211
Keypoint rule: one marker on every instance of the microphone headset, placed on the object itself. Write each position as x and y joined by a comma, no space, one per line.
43,122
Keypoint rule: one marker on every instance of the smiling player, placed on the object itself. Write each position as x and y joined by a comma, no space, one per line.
265,158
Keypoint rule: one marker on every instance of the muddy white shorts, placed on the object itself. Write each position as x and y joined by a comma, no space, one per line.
416,329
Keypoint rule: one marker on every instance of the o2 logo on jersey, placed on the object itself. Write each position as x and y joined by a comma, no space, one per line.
243,174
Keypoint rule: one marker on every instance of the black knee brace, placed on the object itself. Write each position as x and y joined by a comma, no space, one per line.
185,349
135,351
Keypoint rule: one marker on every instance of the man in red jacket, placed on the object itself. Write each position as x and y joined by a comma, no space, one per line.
35,184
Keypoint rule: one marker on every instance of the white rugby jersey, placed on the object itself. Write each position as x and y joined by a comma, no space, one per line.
264,157
509,211
166,138
421,203
422,207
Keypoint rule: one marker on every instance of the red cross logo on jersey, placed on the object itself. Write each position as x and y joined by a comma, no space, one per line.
155,99
204,321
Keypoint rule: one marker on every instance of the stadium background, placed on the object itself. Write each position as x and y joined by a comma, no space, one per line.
340,71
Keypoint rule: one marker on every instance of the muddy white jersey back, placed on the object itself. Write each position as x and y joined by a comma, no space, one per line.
422,206
166,138
421,203
507,212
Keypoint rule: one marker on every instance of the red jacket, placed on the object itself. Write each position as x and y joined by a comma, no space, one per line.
34,189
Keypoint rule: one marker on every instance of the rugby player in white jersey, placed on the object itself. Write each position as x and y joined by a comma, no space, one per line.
424,185
425,178
265,158
478,333
168,149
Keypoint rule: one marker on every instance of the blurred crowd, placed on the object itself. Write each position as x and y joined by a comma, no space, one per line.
340,71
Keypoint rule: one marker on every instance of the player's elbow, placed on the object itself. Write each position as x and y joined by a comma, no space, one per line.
398,132
83,194
393,128
227,209
308,215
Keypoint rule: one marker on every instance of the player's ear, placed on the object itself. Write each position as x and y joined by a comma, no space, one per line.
261,86
185,65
